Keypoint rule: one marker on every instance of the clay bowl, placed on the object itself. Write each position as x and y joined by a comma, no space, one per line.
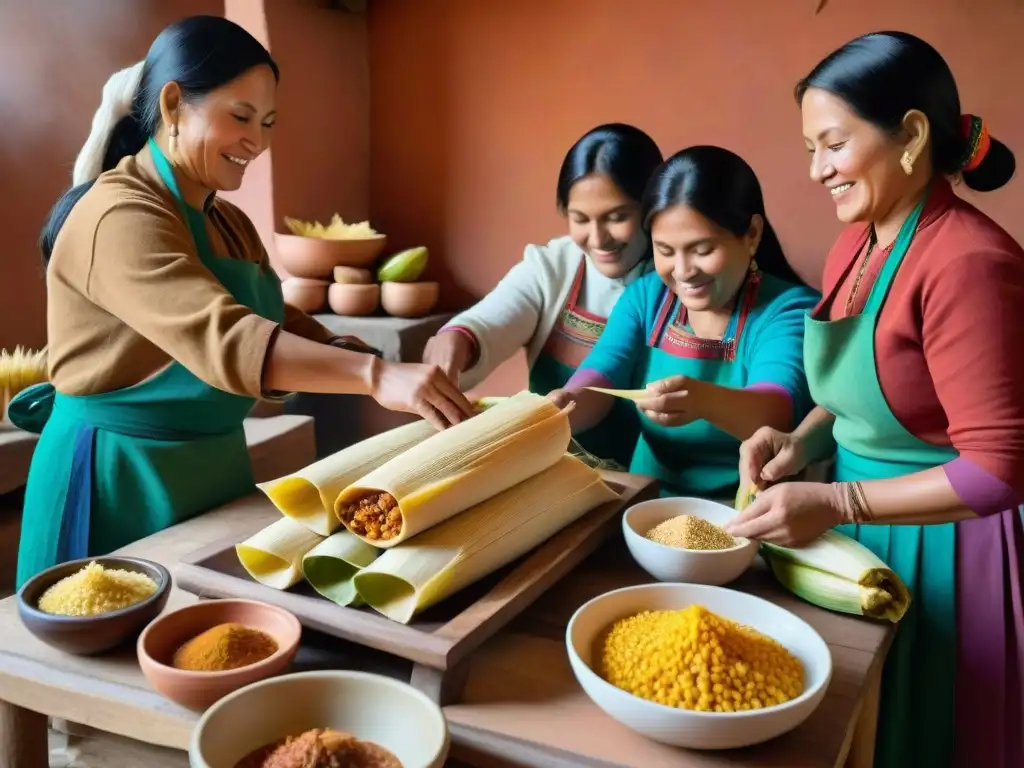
89,635
409,299
305,293
316,258
353,300
198,690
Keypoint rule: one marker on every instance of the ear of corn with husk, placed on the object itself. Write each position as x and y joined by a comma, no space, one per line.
455,469
413,576
19,370
837,573
308,496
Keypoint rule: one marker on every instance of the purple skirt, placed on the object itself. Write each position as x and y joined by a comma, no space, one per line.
990,630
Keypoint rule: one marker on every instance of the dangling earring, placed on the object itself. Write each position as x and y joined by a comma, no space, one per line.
172,142
908,164
753,266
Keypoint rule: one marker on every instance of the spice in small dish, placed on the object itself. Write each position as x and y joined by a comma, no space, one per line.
697,660
95,590
224,647
320,748
690,532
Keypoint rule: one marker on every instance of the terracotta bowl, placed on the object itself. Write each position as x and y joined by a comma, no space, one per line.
315,257
305,293
379,709
353,300
198,690
409,299
353,275
88,635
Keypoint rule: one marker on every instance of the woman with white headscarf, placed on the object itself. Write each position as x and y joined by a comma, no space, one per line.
165,320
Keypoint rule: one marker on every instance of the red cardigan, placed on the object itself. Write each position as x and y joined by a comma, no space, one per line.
950,341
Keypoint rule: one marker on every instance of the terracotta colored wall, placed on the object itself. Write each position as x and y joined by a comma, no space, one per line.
54,59
475,103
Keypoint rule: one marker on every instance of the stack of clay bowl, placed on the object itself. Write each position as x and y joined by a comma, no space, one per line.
310,260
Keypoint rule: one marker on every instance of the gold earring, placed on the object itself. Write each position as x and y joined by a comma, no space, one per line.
753,265
908,164
172,140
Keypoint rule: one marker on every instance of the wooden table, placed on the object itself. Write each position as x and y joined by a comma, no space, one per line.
521,705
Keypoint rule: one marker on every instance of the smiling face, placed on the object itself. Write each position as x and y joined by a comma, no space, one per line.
605,223
221,133
702,263
858,162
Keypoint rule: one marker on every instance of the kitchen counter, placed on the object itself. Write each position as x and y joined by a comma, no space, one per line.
521,704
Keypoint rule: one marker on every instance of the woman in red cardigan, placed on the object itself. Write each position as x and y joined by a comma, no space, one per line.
915,358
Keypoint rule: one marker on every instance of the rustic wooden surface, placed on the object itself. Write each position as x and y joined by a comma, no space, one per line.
440,640
521,705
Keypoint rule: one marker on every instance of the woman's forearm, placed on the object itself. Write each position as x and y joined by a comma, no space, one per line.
295,364
925,497
815,432
741,412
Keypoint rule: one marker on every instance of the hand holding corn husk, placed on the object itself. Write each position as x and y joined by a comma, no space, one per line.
833,571
791,514
768,456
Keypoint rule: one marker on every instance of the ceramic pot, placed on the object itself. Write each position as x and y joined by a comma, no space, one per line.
353,300
306,294
352,276
409,299
314,257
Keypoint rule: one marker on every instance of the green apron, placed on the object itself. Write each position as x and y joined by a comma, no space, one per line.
113,468
917,712
568,345
696,459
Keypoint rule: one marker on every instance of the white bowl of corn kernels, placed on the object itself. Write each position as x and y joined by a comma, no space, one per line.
698,666
680,539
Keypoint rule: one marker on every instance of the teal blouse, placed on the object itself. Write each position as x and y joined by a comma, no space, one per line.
647,338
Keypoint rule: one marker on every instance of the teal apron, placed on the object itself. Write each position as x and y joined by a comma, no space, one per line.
113,468
567,347
917,712
696,459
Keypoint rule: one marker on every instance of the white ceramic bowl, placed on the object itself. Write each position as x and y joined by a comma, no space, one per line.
714,566
683,728
372,707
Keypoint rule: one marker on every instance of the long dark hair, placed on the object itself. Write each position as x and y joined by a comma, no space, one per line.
884,75
722,188
200,54
625,154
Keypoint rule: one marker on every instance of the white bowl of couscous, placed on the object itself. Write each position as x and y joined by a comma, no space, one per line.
670,539
629,647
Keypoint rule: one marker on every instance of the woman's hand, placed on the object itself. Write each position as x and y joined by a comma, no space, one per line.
791,514
419,388
561,397
673,402
451,351
768,456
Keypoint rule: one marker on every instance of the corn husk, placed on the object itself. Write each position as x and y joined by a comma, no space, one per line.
466,464
411,577
308,496
330,566
624,394
273,556
19,370
837,573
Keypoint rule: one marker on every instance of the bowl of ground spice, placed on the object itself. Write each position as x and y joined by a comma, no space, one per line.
90,606
198,654
681,540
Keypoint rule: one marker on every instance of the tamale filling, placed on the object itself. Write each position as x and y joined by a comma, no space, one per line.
374,515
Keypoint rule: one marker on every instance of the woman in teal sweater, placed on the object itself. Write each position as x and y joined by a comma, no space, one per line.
715,333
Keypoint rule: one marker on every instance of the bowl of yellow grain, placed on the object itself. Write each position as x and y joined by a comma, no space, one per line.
681,539
93,605
698,666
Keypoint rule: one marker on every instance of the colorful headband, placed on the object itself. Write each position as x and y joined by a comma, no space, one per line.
975,131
